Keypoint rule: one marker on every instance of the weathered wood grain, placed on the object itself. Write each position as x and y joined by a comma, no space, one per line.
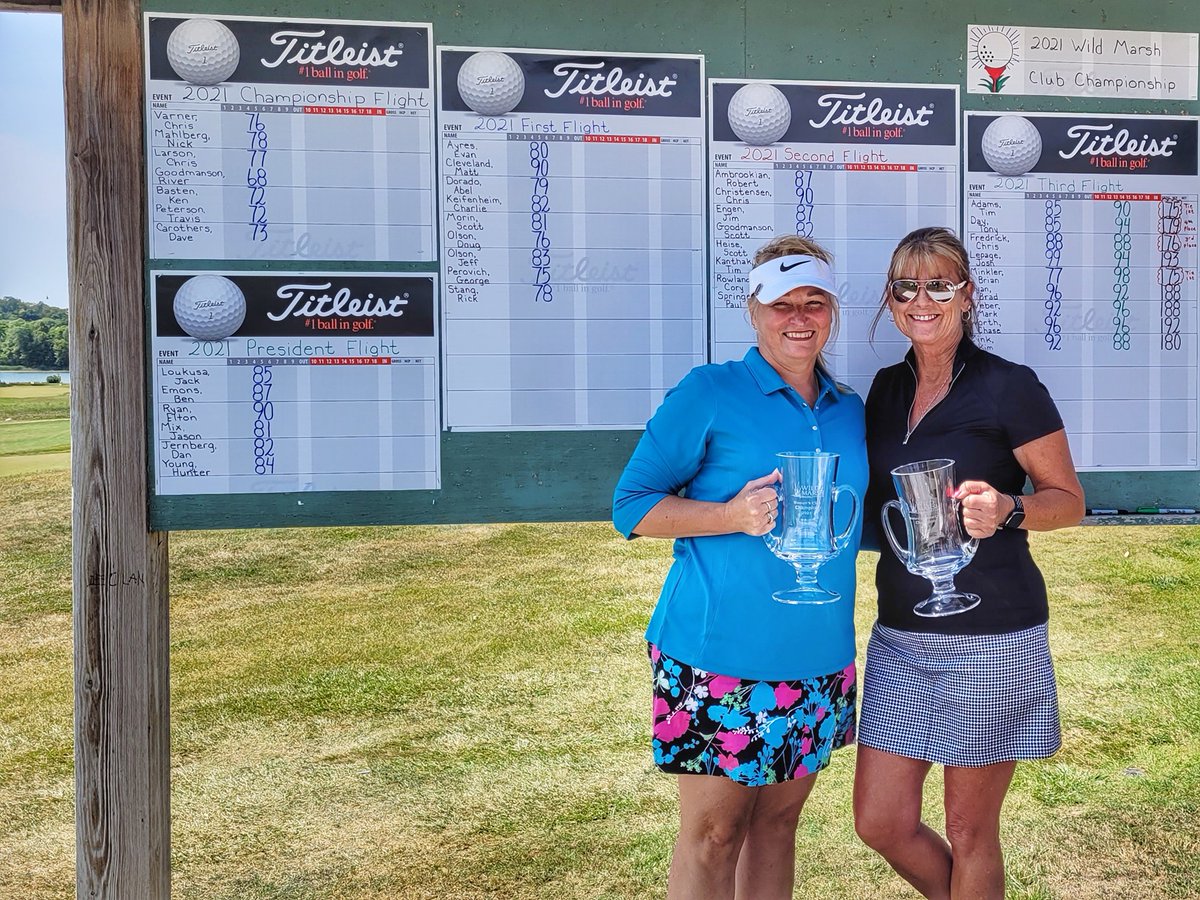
122,759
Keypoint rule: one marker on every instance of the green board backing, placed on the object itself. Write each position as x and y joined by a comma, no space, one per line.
569,476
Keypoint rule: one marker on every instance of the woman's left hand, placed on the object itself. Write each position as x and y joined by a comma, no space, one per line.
983,508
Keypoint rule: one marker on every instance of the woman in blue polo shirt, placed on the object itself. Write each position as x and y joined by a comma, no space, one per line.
751,696
973,692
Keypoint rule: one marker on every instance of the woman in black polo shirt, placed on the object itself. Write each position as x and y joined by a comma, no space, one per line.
973,692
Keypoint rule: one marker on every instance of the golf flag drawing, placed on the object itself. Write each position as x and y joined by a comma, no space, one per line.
993,48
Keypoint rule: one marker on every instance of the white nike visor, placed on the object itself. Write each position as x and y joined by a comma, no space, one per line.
775,277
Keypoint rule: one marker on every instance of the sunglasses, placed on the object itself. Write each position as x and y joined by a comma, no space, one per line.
940,289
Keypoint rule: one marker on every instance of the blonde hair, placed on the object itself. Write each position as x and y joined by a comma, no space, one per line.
924,247
789,245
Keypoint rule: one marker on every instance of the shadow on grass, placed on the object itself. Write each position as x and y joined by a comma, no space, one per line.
462,712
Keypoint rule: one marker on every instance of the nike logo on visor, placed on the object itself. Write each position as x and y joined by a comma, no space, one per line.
783,268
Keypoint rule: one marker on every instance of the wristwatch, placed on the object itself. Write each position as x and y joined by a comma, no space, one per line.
1017,516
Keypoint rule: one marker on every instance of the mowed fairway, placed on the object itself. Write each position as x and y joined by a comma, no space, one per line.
42,436
33,401
35,433
461,712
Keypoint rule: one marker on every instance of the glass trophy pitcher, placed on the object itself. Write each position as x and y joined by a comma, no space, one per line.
938,547
804,530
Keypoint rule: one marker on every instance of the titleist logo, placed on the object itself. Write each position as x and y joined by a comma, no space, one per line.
843,109
315,300
1095,140
303,48
577,79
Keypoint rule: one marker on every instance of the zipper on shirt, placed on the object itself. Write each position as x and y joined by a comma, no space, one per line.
908,432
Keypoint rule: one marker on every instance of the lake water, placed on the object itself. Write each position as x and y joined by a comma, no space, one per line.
35,377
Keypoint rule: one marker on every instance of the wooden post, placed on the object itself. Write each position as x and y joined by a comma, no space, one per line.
122,703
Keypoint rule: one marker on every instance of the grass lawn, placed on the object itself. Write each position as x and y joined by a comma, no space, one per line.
461,712
35,432
22,402
16,464
39,436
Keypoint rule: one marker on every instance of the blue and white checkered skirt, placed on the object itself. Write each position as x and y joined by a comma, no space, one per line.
960,699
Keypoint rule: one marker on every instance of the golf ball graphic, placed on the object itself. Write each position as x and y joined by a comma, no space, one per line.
210,307
203,51
995,50
759,114
491,83
1011,145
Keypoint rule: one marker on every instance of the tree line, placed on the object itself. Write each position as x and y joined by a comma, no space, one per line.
32,335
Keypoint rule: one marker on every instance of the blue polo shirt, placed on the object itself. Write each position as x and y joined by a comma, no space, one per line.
718,429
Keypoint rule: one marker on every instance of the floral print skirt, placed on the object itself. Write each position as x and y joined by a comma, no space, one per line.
754,732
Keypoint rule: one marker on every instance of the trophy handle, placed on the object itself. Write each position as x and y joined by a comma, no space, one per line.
842,540
774,537
970,545
903,555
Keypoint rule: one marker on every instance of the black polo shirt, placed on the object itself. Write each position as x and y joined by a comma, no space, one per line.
992,406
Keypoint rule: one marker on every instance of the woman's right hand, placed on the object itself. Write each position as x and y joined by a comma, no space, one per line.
752,510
